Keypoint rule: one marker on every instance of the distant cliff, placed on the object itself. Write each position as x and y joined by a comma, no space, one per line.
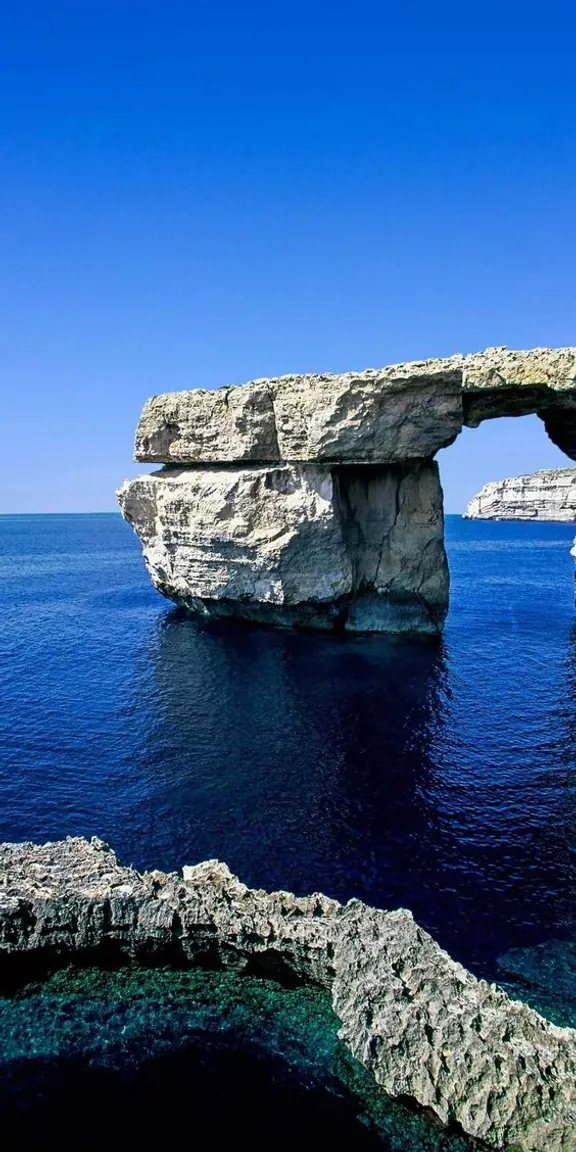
546,495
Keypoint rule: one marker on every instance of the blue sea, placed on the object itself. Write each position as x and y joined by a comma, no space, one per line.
437,776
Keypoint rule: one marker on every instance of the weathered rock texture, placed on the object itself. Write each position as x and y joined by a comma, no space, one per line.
379,416
313,500
424,1026
297,544
546,495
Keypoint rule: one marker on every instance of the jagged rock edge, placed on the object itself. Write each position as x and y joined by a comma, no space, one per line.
419,1022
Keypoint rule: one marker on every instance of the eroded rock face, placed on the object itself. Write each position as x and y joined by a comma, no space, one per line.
424,1026
297,545
503,382
549,494
229,425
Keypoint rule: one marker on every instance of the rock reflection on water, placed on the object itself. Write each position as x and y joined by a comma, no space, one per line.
309,764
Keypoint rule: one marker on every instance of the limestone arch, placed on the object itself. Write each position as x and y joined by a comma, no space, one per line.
314,500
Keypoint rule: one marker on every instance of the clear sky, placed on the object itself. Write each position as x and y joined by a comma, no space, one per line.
194,194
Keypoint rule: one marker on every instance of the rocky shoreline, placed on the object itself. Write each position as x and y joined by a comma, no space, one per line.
424,1027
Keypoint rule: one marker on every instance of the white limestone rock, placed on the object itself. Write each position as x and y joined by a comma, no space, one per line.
542,381
312,500
428,1030
380,416
225,425
425,1027
384,415
549,494
360,549
503,368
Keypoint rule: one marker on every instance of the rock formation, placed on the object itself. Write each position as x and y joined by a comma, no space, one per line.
424,1027
301,545
549,494
314,500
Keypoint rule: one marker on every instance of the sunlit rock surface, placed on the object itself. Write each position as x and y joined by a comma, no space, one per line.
549,494
386,415
378,416
424,1027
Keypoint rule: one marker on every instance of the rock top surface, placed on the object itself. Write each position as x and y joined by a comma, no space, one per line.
549,494
381,415
424,1026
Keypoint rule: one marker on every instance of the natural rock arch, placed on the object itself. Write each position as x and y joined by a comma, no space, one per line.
315,500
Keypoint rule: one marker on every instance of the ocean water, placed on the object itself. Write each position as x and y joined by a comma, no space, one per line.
437,775
434,775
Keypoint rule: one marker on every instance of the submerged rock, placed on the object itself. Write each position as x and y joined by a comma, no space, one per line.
313,499
549,494
424,1027
545,977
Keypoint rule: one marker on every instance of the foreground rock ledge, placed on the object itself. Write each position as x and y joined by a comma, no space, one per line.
424,1026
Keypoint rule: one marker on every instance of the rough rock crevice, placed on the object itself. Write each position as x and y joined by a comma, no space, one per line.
425,1028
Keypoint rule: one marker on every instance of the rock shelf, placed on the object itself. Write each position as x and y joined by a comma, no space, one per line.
422,1025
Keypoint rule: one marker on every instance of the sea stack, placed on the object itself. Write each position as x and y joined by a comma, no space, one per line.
549,494
315,501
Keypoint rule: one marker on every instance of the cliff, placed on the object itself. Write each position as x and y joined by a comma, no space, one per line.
424,1027
315,500
546,495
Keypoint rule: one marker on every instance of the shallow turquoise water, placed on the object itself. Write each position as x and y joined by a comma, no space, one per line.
249,1054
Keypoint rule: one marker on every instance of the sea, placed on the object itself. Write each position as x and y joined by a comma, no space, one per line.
437,775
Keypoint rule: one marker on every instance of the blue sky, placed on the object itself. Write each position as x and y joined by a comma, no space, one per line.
197,194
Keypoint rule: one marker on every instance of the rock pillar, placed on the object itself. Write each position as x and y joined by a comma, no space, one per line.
355,548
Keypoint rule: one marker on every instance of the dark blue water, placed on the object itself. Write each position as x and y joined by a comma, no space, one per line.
438,776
